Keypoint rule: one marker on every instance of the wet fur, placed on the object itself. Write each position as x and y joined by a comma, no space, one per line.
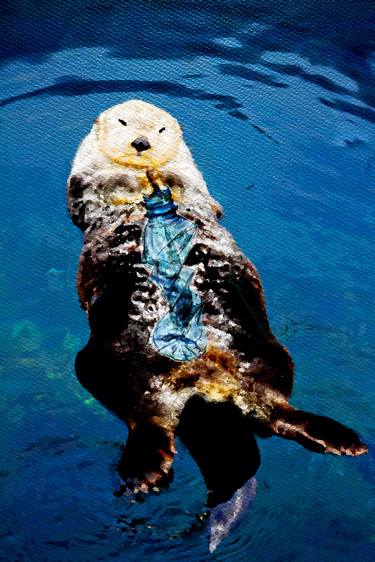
245,374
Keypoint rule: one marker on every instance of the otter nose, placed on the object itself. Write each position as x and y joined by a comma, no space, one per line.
141,144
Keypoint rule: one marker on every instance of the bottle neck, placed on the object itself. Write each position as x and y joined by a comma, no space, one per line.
160,204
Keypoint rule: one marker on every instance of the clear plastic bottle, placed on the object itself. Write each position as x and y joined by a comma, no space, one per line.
167,240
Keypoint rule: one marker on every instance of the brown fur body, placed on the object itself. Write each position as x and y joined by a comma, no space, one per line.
244,366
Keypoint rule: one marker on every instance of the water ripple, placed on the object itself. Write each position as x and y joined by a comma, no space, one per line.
75,86
347,107
311,77
251,75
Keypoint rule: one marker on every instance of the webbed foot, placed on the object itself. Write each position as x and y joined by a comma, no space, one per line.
145,464
318,433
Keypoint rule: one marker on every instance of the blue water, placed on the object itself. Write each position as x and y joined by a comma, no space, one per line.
277,103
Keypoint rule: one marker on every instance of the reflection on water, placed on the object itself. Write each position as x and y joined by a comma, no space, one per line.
277,102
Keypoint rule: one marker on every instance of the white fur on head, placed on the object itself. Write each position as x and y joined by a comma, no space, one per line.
113,170
119,126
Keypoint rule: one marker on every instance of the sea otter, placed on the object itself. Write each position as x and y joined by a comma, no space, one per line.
238,380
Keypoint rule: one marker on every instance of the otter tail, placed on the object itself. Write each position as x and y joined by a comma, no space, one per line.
316,433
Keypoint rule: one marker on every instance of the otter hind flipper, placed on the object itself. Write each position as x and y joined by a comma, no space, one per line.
317,433
221,441
145,463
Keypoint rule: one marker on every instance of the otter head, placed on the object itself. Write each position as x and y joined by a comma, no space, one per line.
137,134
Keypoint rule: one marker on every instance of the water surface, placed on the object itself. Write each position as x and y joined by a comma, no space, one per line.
277,104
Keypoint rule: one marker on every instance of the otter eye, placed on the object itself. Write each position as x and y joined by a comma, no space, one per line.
162,129
123,122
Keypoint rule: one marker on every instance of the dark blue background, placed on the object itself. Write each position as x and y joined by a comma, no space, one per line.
277,104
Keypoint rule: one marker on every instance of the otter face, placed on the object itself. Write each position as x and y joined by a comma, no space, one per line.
137,134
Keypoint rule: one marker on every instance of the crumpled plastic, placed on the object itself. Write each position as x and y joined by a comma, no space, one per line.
167,240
